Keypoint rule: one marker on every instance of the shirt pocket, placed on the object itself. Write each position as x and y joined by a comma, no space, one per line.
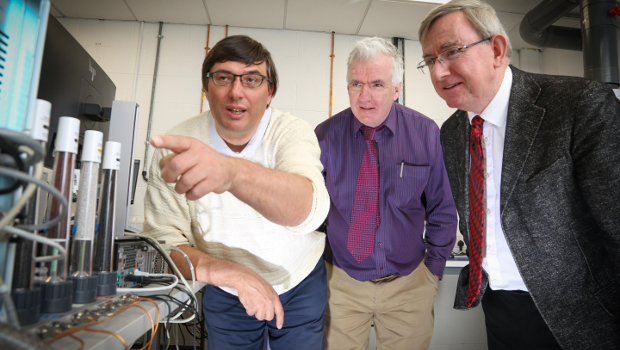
410,184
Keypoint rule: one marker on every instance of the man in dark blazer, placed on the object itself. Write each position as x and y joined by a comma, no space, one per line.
548,210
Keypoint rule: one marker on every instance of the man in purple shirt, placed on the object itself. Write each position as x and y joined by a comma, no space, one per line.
376,253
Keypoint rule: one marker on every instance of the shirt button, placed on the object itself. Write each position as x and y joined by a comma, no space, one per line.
486,176
486,139
379,244
488,211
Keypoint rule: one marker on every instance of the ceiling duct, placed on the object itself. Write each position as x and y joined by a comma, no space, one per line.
597,38
537,29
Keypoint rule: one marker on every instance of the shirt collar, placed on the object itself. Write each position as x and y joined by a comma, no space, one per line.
389,122
250,148
496,112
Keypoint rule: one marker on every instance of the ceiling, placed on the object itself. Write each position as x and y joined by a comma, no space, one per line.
386,18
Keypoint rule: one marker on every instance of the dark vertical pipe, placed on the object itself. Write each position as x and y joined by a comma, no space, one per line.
600,41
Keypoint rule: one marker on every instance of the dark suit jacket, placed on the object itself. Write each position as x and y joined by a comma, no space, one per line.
560,202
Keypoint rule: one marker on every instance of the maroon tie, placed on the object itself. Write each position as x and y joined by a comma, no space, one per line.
476,209
365,215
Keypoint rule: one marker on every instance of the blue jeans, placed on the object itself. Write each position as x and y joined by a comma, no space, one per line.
230,327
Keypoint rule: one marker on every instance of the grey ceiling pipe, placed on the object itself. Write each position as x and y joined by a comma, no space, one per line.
536,27
599,32
597,38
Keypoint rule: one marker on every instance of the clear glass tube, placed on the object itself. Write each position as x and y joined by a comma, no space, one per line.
104,239
64,164
81,247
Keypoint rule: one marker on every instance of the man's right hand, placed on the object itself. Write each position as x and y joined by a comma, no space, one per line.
258,297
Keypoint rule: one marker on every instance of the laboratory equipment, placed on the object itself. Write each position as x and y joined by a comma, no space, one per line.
57,290
84,283
104,239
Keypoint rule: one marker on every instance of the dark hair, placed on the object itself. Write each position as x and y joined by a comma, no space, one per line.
240,48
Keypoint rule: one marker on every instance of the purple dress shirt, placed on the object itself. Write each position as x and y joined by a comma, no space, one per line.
413,188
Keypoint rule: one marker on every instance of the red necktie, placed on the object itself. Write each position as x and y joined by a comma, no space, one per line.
476,209
365,215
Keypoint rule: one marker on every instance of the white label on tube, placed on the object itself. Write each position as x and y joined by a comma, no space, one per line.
76,180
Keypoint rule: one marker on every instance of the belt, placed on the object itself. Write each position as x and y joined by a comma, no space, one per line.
388,278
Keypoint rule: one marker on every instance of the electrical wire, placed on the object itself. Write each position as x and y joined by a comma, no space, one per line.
154,289
181,305
153,326
62,252
109,333
76,329
157,324
35,156
25,140
79,340
8,148
189,262
37,182
171,264
21,202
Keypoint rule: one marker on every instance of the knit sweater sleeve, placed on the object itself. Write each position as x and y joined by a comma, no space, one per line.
298,152
166,213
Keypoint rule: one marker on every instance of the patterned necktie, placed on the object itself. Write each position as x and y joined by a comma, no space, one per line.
365,215
476,209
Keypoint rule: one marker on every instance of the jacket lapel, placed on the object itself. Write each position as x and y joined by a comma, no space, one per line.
524,119
462,160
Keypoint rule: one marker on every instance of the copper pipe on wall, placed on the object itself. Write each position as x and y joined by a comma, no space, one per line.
202,92
331,78
226,31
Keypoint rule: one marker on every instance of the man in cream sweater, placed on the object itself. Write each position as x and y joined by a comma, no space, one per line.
239,190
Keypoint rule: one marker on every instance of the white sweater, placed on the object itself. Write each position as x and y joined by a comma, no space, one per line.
226,228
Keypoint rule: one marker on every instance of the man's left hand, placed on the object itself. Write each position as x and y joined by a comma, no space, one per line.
196,168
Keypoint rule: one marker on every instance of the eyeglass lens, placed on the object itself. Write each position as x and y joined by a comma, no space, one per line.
248,80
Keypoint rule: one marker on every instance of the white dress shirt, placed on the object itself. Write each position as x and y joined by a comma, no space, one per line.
497,260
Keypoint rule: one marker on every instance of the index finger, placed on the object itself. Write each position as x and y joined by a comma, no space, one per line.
279,314
175,143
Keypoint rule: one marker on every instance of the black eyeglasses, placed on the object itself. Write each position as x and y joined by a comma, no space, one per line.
248,80
447,56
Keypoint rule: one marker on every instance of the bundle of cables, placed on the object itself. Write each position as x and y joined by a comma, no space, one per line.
20,155
191,305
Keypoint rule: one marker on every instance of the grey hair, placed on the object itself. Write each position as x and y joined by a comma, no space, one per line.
480,14
371,48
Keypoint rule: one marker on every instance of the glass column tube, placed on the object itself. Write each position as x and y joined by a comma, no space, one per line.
57,291
104,239
84,284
